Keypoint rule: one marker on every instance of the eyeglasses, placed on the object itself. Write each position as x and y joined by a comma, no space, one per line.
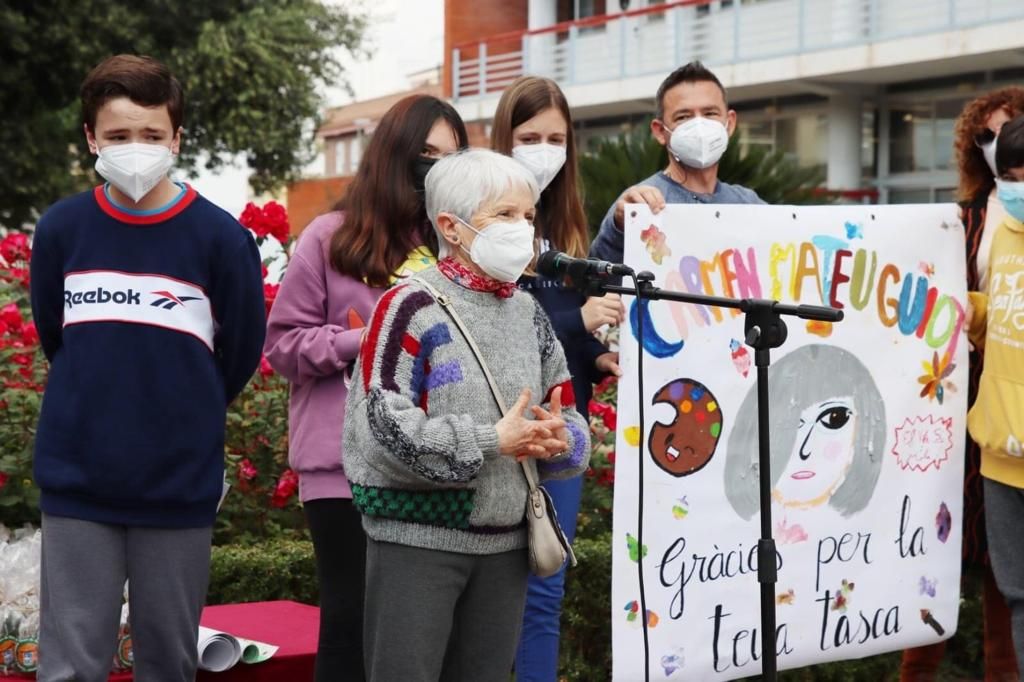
984,138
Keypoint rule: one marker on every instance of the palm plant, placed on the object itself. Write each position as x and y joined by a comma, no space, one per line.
622,161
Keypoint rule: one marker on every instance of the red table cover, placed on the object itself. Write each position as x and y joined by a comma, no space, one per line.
291,626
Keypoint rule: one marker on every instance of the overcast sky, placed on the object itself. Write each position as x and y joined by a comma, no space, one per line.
405,36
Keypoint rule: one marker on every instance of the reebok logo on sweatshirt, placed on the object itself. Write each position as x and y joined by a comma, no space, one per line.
155,300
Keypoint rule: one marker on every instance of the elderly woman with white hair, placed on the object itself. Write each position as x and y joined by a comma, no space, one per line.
435,468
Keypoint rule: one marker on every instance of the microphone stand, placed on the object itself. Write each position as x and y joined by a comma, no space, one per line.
764,329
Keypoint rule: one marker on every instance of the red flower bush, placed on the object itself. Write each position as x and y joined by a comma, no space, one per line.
605,412
10,315
265,369
271,220
14,248
286,487
270,295
22,377
246,470
15,254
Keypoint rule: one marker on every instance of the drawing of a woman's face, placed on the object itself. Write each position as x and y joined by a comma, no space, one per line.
822,454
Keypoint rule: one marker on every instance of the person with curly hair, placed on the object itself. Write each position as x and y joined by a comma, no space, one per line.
975,139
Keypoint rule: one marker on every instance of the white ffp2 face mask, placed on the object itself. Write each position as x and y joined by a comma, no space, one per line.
543,160
698,142
502,250
134,168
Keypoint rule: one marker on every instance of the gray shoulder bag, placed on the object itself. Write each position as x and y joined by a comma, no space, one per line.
549,548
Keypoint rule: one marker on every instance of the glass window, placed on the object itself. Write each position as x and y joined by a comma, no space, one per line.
340,151
355,153
804,139
946,112
868,142
910,196
911,138
945,195
656,16
588,8
755,134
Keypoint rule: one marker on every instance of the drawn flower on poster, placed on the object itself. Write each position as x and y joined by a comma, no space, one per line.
633,613
785,598
681,508
854,230
936,377
943,523
655,243
636,552
842,598
673,662
740,357
827,435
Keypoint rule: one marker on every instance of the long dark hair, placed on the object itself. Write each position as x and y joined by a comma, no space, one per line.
382,208
560,211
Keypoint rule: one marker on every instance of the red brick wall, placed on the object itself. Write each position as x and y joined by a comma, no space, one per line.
477,133
309,198
475,20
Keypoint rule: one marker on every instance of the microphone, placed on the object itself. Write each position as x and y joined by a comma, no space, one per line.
555,264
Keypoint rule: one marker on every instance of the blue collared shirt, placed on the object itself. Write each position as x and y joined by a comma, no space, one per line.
609,243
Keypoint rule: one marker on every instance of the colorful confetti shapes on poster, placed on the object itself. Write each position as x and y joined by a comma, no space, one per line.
633,611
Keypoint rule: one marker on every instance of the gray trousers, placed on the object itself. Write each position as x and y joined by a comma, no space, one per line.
1004,510
433,615
84,566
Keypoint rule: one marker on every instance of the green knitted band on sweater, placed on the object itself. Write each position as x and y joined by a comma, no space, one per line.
449,508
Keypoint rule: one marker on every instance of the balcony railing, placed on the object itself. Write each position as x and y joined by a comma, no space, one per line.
656,39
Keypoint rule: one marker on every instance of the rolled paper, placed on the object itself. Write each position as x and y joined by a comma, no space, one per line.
217,651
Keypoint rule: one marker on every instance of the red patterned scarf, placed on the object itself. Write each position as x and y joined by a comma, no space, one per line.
464,277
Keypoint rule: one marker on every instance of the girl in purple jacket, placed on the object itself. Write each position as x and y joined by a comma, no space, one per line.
342,264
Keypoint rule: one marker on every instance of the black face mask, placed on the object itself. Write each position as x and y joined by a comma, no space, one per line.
420,167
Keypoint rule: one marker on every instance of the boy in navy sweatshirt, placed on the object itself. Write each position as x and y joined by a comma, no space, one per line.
148,300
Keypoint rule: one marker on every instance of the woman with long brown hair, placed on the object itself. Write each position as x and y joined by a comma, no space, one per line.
975,139
533,124
342,264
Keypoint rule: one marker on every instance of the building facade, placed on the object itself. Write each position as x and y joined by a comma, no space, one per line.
867,90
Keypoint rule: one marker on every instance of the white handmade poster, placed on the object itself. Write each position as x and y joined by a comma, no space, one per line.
867,421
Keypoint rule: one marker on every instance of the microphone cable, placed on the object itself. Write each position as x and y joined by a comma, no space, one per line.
640,478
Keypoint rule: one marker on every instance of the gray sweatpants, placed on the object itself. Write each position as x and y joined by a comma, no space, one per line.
1004,509
433,615
84,566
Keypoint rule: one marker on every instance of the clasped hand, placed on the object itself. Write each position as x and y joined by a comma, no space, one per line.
543,436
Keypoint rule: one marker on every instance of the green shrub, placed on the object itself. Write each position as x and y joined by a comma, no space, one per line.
586,652
275,569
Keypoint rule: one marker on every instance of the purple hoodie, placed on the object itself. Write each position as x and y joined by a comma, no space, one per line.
313,335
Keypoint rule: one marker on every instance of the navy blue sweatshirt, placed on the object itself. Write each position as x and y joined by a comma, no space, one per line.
563,304
152,324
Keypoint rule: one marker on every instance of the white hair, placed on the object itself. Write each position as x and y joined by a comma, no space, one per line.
464,182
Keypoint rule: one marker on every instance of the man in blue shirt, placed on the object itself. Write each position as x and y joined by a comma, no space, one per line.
694,123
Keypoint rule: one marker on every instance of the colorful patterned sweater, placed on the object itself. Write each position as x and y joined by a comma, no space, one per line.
420,444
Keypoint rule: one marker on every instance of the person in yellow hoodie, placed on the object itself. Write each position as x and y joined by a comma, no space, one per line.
996,422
